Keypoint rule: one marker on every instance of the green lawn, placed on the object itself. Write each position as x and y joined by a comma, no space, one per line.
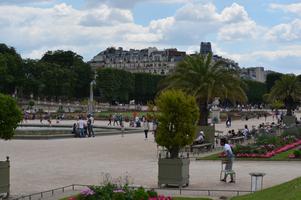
279,157
286,191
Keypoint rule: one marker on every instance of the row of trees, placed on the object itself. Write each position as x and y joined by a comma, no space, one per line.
119,85
58,74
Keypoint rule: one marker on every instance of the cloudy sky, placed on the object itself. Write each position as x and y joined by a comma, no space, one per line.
254,32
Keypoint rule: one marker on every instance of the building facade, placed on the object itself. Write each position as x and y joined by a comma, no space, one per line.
150,60
254,73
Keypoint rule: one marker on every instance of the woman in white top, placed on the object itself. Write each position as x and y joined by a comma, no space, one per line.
145,127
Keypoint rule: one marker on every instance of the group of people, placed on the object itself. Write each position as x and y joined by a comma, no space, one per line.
84,127
117,119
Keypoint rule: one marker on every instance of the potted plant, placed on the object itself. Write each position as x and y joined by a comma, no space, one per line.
178,116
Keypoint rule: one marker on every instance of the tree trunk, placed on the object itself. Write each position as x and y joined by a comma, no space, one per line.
204,113
174,152
289,105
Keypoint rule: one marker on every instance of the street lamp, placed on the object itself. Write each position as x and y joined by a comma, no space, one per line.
90,105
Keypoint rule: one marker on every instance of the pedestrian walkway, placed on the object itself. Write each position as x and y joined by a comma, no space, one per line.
39,165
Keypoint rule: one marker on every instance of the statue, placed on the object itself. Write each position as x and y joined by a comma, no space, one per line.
215,117
215,103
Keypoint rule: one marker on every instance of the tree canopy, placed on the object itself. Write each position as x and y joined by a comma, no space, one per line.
10,116
271,79
206,79
287,90
255,91
177,120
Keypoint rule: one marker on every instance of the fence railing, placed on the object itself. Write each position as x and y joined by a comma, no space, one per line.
166,191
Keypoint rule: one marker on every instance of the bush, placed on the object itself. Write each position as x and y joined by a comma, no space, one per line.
10,116
297,153
266,139
177,120
114,192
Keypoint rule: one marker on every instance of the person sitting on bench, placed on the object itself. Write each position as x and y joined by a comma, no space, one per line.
200,139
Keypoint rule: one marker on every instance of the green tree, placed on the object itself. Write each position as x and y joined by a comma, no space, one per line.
255,91
10,116
178,120
115,84
205,79
65,74
287,90
271,79
11,75
146,87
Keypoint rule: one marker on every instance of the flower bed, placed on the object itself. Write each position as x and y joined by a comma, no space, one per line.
114,192
267,154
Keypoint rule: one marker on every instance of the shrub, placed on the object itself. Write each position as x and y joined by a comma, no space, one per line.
266,139
10,116
177,120
111,191
297,153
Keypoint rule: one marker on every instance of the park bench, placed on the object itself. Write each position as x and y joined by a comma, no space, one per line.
236,140
201,147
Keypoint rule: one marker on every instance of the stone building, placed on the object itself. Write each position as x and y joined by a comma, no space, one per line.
150,60
254,73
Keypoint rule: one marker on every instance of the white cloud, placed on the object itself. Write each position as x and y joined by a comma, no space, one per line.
234,14
14,2
128,4
293,8
197,12
285,32
279,59
103,15
34,29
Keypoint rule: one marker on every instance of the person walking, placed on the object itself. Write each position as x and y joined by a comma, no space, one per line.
230,159
145,127
110,120
90,123
81,125
246,132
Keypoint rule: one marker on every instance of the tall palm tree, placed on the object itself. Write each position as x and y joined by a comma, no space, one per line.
206,79
287,90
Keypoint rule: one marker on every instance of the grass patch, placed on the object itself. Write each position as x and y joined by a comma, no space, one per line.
279,157
286,191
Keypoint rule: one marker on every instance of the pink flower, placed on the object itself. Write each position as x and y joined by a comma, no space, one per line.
87,192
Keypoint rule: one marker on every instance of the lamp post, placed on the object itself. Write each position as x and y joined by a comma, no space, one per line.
90,104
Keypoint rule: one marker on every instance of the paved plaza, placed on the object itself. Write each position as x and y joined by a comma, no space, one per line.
38,165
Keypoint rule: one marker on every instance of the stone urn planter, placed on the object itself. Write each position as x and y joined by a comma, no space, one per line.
289,120
173,172
177,127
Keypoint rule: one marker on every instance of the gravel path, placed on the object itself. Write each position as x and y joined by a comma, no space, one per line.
38,165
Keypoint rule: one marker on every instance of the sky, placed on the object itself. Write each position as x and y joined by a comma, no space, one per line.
251,32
